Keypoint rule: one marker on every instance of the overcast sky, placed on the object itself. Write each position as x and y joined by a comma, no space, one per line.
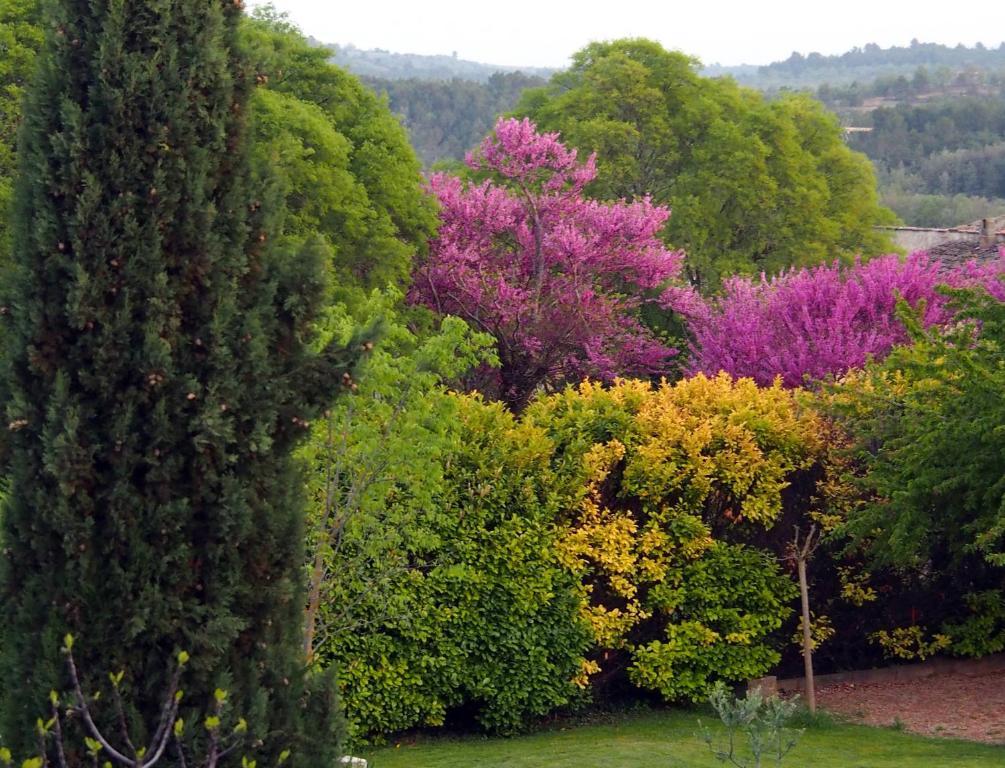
545,32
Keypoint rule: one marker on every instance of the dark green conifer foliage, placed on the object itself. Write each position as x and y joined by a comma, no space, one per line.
159,371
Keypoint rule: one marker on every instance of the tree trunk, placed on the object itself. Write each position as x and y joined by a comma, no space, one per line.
313,604
811,697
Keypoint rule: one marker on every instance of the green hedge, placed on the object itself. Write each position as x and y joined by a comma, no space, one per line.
580,545
487,618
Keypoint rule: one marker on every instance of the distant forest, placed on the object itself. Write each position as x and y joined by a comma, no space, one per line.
447,118
934,114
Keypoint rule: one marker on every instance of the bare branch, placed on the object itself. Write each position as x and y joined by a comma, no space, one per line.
85,713
58,730
121,716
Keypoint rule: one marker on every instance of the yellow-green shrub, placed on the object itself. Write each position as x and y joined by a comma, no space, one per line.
661,482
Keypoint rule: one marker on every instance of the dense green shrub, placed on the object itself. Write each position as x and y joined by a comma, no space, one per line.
377,463
982,630
923,464
724,607
466,605
493,619
926,426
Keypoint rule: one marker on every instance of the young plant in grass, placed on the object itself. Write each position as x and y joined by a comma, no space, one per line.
758,728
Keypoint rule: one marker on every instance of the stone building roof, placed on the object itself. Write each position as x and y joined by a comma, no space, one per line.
981,240
953,253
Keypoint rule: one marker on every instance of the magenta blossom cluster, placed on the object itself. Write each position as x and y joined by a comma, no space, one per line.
556,278
809,324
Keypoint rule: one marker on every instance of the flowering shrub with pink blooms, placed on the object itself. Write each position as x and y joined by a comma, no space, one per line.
556,278
822,321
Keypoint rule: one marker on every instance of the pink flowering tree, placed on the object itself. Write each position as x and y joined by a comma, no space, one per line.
808,324
556,278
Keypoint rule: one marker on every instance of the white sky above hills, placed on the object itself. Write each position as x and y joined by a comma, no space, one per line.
544,33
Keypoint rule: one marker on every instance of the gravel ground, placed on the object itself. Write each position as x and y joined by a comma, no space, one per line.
957,706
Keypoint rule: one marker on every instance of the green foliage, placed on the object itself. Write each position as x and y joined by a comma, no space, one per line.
927,428
753,185
982,632
346,172
376,464
156,378
20,39
432,522
482,615
925,457
347,180
724,607
909,643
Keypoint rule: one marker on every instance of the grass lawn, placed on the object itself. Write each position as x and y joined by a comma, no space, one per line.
668,740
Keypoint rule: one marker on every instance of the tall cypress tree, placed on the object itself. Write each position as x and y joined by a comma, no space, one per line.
158,371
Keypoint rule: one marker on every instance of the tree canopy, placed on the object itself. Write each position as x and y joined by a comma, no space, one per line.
347,177
753,185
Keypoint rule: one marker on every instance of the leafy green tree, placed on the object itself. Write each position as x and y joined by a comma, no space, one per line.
347,173
754,185
347,178
20,39
157,377
929,458
928,427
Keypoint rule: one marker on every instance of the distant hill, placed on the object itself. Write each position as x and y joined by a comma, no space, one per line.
799,71
863,64
386,65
